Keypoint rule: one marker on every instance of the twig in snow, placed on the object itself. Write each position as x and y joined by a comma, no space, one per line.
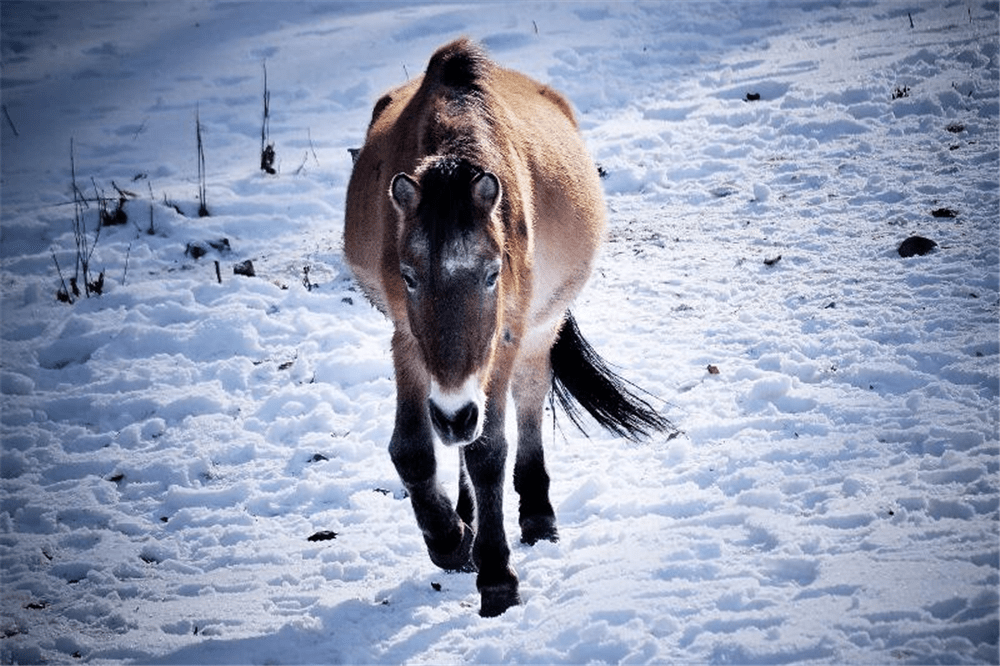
63,294
128,252
142,126
312,148
9,121
151,231
202,187
306,282
266,146
311,151
171,204
118,216
84,247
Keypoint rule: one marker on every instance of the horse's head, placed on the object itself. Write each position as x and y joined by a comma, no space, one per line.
450,251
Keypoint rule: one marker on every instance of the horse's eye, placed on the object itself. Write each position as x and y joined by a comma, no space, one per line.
492,276
409,277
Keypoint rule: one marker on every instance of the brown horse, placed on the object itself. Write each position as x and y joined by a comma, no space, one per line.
474,214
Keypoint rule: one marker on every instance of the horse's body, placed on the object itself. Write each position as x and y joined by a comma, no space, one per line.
474,215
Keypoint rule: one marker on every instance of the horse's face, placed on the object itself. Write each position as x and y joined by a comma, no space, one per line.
450,265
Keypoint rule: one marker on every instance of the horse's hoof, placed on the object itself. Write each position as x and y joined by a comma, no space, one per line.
539,528
460,557
498,597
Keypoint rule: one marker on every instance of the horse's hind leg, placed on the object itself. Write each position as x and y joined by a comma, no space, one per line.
532,379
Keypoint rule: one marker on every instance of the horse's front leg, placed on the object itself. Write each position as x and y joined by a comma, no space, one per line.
448,538
485,460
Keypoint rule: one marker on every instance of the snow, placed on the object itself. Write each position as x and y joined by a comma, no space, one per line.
169,446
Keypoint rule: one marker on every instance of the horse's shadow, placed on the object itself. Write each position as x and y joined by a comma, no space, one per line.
396,625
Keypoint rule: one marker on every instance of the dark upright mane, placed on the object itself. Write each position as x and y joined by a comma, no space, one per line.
445,208
461,66
457,120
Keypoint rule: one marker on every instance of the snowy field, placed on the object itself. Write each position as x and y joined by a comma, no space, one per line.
170,445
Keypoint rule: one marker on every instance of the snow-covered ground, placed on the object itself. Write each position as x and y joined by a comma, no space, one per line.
169,446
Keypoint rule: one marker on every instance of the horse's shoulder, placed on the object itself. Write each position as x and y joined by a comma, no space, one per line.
528,96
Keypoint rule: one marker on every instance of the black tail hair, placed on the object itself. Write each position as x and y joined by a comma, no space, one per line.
581,378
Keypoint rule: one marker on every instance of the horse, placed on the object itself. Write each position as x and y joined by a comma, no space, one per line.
473,218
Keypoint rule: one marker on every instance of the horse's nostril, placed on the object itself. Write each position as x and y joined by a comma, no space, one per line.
438,419
457,427
465,418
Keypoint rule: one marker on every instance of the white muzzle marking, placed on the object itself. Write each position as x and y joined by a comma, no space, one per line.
452,404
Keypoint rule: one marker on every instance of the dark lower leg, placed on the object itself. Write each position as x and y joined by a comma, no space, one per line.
497,582
531,481
532,382
448,538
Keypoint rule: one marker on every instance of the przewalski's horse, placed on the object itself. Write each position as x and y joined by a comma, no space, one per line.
474,214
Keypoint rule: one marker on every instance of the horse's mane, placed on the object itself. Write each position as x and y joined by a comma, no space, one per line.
446,198
460,65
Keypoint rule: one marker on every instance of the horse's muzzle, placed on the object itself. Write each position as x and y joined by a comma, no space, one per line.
459,427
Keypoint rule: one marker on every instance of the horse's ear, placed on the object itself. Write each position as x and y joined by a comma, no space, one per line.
486,191
405,194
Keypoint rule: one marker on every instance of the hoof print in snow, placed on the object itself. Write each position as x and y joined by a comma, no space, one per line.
944,212
244,268
198,249
323,535
916,245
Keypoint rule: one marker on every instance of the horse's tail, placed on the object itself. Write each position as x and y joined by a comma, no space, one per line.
581,378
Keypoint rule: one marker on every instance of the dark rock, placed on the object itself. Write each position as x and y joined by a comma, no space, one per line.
916,245
198,249
244,268
944,212
323,535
